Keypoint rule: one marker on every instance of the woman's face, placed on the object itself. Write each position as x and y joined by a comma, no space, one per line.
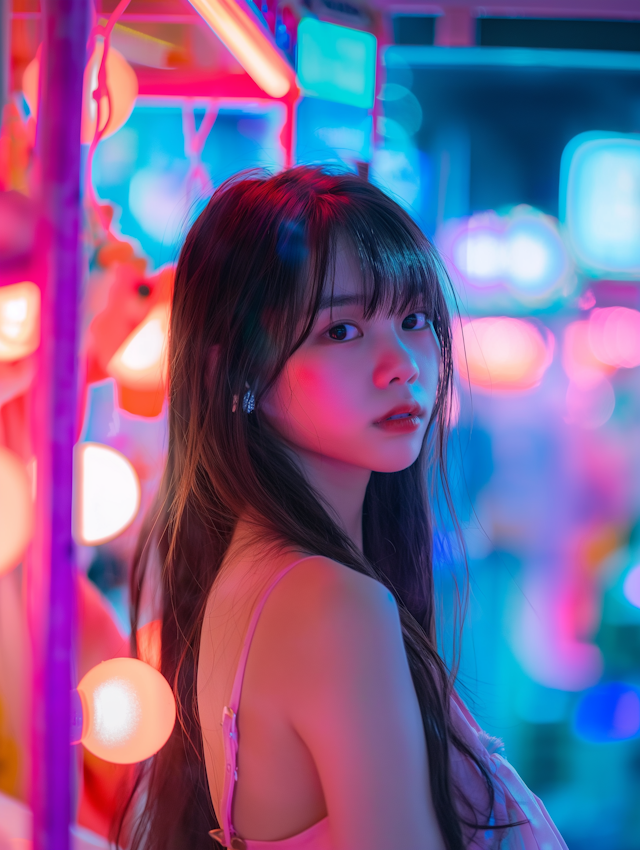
358,390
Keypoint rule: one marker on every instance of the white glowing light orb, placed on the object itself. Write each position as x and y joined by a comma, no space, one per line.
631,586
116,712
19,320
128,710
141,360
107,494
528,259
480,255
520,251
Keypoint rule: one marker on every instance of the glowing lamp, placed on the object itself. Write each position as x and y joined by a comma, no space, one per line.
128,710
122,84
141,360
19,320
500,353
242,35
16,510
600,202
107,493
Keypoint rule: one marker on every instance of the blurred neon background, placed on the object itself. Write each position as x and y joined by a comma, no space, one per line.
513,139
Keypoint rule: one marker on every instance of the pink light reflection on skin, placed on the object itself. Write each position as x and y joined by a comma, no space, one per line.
331,393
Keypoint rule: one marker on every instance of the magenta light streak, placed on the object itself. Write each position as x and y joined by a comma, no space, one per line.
65,29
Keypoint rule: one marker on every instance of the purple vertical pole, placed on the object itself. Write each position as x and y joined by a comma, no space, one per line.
65,30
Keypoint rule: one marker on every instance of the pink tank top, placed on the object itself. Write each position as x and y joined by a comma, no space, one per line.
513,800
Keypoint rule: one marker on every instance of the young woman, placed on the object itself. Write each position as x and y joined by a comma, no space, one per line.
310,378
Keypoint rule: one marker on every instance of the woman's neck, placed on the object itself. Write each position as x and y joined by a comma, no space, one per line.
341,486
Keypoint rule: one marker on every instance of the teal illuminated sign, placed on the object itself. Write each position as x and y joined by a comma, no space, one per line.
336,63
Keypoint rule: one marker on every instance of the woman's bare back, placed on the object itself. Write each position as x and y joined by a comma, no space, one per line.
328,719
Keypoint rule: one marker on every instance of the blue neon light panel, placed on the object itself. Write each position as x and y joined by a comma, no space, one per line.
336,63
600,202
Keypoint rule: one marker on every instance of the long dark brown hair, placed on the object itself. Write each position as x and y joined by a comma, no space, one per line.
249,282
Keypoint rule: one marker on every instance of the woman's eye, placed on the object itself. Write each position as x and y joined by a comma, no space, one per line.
343,332
415,322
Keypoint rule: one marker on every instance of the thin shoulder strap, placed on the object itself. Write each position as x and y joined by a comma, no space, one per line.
234,700
229,727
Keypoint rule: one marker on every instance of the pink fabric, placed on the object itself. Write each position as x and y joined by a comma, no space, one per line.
513,800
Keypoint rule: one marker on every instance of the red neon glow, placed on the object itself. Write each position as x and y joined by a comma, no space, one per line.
614,336
249,44
500,353
19,320
121,82
16,510
129,710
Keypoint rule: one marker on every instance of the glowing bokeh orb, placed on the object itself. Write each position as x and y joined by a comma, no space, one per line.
141,360
107,496
16,510
520,252
122,84
580,363
500,353
128,710
614,336
19,320
631,586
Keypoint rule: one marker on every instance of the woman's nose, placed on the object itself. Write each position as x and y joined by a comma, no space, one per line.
395,364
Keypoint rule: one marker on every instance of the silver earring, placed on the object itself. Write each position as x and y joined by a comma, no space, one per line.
248,402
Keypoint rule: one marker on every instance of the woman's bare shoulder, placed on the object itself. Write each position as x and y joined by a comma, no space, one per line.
323,590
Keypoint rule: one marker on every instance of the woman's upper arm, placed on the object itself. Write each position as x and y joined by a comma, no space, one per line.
353,703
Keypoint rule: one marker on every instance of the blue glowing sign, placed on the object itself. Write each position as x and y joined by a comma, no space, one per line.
600,202
336,63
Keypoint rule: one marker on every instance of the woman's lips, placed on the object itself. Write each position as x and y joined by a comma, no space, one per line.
401,420
402,425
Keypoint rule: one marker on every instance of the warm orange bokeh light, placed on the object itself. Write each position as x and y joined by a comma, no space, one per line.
500,353
149,642
141,361
121,82
128,710
16,510
19,320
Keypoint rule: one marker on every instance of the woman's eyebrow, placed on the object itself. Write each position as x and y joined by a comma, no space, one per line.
340,301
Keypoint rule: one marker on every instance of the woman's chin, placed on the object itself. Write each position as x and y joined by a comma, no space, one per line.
395,463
